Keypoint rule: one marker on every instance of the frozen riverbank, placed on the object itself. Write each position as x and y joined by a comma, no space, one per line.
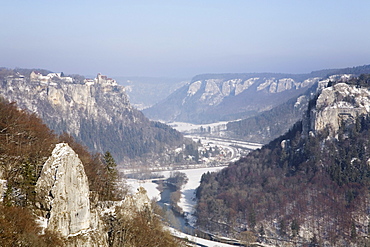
187,201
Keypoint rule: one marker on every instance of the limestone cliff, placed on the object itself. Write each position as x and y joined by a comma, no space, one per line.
212,98
341,103
271,124
63,191
312,186
96,112
68,206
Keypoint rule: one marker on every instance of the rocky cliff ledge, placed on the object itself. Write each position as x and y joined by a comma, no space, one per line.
341,103
96,112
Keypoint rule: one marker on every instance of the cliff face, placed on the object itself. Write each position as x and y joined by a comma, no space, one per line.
341,103
312,183
271,124
45,194
212,98
63,192
95,112
69,208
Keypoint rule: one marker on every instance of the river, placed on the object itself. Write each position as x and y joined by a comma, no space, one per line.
184,223
187,201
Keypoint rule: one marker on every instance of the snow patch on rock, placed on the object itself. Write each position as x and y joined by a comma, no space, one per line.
341,102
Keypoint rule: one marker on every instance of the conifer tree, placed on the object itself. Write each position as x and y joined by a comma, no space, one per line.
111,175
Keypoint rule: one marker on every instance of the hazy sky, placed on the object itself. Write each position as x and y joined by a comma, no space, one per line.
184,38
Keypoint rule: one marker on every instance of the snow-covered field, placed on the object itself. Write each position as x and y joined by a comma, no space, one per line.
187,200
151,188
189,127
197,240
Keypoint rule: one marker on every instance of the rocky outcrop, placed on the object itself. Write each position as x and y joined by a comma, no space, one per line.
63,192
212,98
316,168
69,208
95,112
341,103
271,124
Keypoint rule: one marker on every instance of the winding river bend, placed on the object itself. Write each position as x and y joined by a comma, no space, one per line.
186,222
182,222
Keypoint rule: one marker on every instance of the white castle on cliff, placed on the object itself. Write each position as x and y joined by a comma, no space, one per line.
101,79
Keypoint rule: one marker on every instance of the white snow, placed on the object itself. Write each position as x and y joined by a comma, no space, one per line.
151,188
189,127
43,223
3,184
187,201
197,240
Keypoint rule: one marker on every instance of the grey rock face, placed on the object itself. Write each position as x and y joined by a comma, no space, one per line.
96,113
212,98
337,104
63,197
63,191
228,97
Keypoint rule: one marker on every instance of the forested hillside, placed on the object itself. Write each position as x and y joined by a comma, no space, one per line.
95,112
25,144
309,186
268,125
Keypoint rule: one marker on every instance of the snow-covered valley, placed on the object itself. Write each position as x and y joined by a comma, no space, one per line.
230,151
187,200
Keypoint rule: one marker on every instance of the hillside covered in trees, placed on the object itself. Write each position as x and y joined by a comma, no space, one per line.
26,143
268,125
308,187
211,98
96,112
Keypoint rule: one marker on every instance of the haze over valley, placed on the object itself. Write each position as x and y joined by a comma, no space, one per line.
195,123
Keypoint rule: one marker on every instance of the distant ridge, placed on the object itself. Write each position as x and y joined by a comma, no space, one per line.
229,96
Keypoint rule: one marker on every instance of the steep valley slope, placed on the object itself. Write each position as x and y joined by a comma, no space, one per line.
54,195
220,97
96,112
268,125
307,187
257,107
